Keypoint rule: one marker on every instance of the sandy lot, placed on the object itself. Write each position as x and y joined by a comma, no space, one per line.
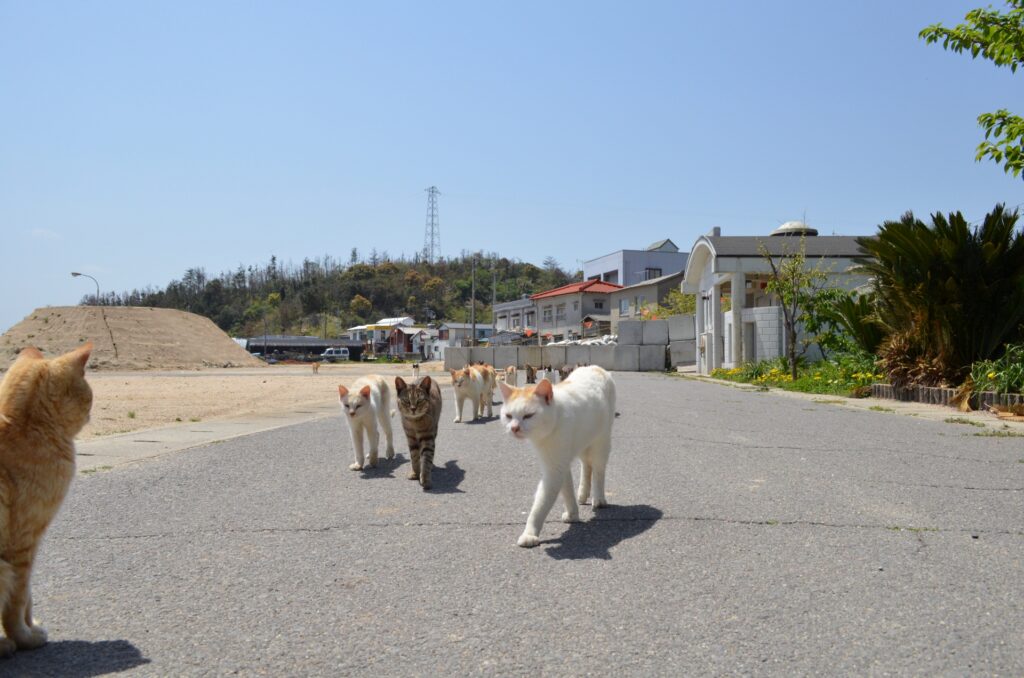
130,401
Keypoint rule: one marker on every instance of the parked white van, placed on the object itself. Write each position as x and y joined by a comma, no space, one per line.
334,353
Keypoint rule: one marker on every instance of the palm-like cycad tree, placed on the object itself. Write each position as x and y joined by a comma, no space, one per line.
947,294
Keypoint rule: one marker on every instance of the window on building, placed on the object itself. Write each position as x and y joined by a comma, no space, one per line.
575,305
623,306
599,304
546,314
611,276
652,273
560,313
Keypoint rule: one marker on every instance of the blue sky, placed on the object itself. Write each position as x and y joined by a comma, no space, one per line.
140,139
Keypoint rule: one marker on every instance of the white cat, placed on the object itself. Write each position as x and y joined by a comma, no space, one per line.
475,384
572,419
368,404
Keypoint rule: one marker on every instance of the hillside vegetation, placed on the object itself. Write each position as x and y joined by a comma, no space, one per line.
324,295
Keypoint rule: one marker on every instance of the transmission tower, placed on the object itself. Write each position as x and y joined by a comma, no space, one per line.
432,238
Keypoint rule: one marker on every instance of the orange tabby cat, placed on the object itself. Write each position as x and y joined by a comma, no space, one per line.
43,405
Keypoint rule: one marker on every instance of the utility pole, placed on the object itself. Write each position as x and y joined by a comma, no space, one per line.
472,306
494,300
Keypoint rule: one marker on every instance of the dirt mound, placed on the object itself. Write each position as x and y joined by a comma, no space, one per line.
127,338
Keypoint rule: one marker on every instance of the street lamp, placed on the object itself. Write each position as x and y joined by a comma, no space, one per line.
75,274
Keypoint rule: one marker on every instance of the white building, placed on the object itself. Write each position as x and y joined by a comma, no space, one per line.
719,266
628,267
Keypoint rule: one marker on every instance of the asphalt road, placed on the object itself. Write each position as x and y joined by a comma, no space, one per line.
749,534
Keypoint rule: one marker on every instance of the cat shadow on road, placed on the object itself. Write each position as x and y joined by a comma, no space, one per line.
606,528
74,659
447,478
385,467
483,420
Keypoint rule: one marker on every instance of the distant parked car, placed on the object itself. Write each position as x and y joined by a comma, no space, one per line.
334,353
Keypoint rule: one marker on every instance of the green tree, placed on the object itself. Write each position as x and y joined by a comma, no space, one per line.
360,306
998,37
948,294
677,303
796,286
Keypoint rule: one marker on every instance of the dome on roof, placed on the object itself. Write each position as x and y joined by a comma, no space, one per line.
795,228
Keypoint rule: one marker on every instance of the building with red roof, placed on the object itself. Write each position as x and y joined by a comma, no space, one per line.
567,311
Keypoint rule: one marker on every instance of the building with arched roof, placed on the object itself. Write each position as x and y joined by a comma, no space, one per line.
736,268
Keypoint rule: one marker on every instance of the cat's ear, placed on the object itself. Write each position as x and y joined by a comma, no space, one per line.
31,352
80,356
400,384
365,391
506,391
454,374
342,391
544,391
425,383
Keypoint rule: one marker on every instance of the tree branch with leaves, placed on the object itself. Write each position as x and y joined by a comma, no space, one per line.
998,37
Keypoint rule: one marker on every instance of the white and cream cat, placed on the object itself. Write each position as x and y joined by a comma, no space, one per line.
565,421
474,383
365,406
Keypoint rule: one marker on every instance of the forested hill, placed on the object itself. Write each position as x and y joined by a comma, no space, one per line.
326,295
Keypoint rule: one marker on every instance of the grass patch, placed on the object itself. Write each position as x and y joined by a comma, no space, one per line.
97,469
879,408
848,375
963,420
194,419
828,401
1000,434
131,415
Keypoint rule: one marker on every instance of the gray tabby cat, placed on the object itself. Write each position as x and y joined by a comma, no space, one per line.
420,406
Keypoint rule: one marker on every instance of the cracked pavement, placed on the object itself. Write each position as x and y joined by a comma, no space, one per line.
748,533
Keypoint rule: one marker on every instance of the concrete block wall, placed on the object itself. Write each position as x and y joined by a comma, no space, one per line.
505,356
603,356
681,328
455,358
577,355
554,356
480,354
651,358
655,332
627,358
631,332
682,352
533,355
768,331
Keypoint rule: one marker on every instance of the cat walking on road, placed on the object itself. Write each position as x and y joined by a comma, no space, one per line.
565,421
365,406
420,407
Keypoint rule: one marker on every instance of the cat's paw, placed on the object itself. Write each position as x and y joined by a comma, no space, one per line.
583,499
600,503
371,464
355,467
7,647
413,475
528,541
390,453
426,484
457,420
34,636
570,517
